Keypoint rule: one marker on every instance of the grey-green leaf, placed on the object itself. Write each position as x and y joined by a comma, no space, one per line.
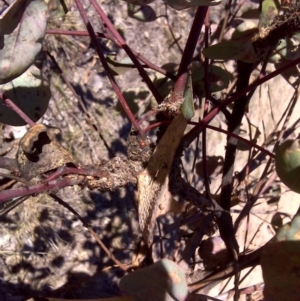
187,107
30,93
22,29
219,78
232,50
121,67
287,162
163,281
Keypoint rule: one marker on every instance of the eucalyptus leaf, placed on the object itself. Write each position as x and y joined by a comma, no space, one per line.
279,261
187,108
30,93
164,85
245,30
268,13
219,78
287,162
22,29
121,67
163,281
231,50
287,49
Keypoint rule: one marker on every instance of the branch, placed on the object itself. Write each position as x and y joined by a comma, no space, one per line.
109,175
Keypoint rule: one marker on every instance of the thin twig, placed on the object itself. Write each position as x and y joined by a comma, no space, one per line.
18,179
188,52
34,189
109,74
16,109
212,114
127,49
205,111
86,225
242,139
10,205
109,36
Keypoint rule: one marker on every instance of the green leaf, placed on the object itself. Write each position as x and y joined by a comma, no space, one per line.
30,93
245,31
187,108
22,29
268,13
182,4
219,78
290,231
287,49
287,162
163,84
231,50
121,67
163,281
280,262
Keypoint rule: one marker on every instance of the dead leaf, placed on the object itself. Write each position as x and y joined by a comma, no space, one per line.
153,182
40,151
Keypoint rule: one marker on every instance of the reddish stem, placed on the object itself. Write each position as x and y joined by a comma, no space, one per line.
35,189
123,44
188,52
209,117
107,69
16,109
78,171
108,36
252,144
